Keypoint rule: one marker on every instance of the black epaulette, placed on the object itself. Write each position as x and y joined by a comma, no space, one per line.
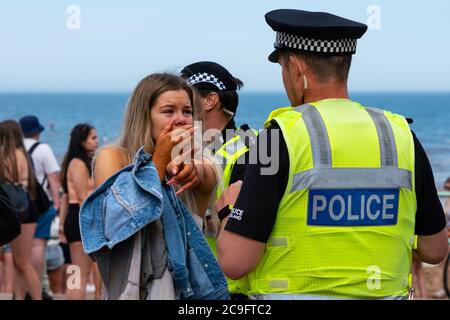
249,140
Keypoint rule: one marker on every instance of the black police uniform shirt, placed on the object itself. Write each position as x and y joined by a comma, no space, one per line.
261,194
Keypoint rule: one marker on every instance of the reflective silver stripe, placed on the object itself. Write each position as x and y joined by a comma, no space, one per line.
282,296
318,135
323,176
351,178
279,284
234,146
277,242
388,149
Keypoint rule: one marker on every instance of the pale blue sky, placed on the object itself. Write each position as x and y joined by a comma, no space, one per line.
120,42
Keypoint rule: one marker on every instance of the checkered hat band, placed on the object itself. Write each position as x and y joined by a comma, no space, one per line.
312,45
206,77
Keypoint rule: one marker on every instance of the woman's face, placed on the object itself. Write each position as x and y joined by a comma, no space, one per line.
91,143
170,106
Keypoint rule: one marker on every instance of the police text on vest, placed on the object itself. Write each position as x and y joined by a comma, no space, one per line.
353,207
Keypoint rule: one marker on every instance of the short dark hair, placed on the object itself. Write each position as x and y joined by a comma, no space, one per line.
324,67
229,99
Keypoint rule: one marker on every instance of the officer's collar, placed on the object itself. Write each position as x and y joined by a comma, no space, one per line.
230,126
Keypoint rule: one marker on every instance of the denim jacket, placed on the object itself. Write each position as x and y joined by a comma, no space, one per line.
132,199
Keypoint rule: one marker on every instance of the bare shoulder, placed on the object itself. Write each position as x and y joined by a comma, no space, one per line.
22,164
111,156
77,166
20,156
108,161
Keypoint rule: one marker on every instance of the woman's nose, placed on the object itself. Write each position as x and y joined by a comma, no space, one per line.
180,119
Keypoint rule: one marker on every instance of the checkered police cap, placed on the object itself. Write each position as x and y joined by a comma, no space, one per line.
340,46
204,77
207,75
313,32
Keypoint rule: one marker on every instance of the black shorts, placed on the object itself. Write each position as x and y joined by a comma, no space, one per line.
31,215
66,253
72,224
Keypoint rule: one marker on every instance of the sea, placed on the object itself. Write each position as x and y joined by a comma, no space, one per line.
59,112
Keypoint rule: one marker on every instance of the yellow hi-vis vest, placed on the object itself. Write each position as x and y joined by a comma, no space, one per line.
228,154
345,225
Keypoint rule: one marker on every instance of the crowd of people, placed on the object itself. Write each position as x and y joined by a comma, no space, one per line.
34,264
162,214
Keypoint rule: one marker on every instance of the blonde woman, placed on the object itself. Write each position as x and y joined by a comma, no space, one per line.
135,200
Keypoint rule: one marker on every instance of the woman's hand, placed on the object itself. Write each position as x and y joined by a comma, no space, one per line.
61,235
187,178
185,173
166,141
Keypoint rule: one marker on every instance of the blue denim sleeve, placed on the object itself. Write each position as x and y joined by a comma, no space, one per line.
123,205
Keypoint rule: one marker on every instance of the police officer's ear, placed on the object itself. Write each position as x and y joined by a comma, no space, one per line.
297,67
211,101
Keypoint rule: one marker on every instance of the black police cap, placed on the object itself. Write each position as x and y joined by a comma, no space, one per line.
206,75
314,32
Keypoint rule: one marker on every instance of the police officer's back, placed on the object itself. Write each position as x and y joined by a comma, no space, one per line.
353,187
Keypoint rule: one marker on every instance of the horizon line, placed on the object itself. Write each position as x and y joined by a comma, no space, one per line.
120,92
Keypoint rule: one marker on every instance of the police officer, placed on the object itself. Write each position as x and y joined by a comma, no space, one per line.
354,185
219,101
218,96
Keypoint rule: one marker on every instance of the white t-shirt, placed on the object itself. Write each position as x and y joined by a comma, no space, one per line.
44,161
